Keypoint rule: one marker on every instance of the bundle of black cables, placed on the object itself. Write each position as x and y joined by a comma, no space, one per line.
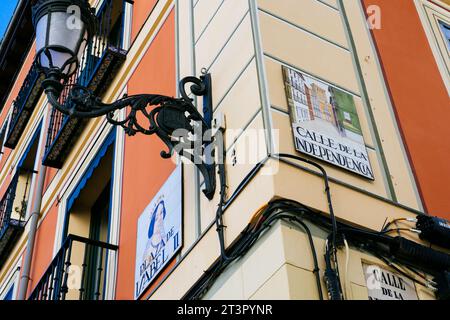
293,212
281,209
286,210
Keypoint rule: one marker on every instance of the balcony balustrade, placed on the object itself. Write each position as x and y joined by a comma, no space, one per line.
78,271
13,207
24,104
99,65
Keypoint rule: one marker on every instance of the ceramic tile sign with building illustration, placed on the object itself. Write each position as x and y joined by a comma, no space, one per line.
325,123
159,233
383,284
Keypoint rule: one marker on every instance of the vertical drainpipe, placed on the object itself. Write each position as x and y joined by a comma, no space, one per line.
198,225
37,193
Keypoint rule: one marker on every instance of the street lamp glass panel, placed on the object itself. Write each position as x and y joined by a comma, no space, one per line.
41,32
61,42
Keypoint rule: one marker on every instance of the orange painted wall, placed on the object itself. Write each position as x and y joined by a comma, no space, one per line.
49,176
155,73
420,99
13,95
43,247
18,83
141,11
4,112
5,156
5,185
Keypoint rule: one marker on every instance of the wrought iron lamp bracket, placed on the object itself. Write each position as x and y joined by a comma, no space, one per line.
176,121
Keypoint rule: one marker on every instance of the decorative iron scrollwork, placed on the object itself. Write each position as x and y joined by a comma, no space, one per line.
176,121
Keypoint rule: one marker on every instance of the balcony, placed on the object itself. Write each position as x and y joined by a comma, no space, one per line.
78,271
24,104
13,208
100,64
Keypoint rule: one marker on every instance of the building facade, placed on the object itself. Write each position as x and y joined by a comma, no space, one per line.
378,73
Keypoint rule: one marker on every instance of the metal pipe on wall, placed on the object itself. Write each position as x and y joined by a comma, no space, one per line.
33,215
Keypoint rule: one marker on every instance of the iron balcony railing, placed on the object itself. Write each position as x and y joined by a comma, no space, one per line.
13,207
24,104
99,63
6,207
78,271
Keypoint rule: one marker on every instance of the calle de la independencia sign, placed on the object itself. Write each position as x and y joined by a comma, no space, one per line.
325,123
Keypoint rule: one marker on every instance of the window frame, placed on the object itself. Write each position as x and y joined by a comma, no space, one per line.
88,155
11,282
111,141
430,14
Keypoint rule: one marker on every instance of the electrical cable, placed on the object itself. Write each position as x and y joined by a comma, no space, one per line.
246,240
401,229
290,218
393,266
385,227
347,260
421,275
330,276
219,213
316,270
408,270
327,188
382,256
334,232
372,242
223,203
294,212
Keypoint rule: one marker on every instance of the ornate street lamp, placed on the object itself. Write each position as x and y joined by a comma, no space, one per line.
64,28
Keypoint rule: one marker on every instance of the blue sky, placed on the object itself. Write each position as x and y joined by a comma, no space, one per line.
6,10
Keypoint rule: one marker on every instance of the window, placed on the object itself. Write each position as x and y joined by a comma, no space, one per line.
84,246
8,289
446,32
3,131
9,294
111,17
436,23
88,216
89,204
2,135
25,171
